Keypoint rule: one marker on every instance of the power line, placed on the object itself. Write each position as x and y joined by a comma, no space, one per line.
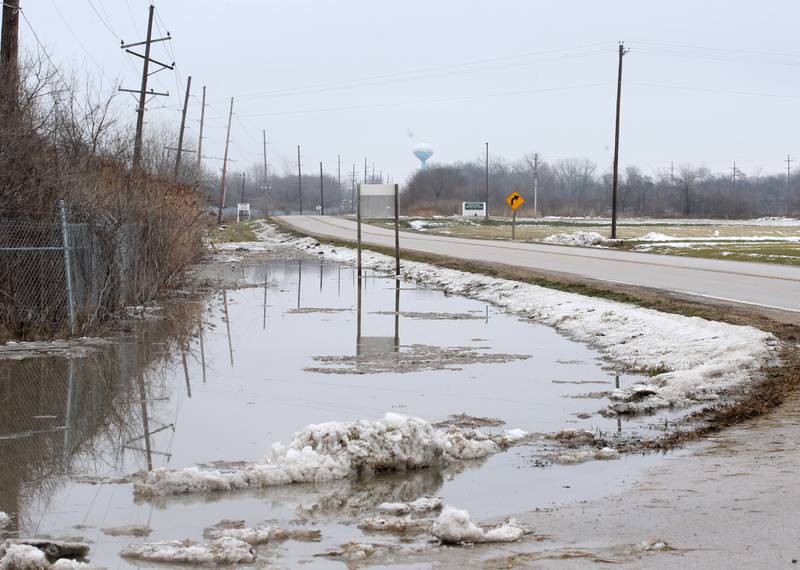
106,24
438,100
712,90
403,76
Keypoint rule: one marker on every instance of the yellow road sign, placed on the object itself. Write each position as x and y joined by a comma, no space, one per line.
515,200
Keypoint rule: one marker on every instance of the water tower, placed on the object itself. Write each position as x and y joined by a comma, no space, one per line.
423,151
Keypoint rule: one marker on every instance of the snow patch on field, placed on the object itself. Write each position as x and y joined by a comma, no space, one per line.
703,359
576,238
334,450
220,551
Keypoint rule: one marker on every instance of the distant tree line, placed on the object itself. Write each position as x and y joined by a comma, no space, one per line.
575,187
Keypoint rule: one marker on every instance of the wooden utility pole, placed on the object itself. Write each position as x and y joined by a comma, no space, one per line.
788,181
615,179
266,183
321,195
200,138
9,53
536,184
486,187
224,166
339,183
299,181
183,125
241,193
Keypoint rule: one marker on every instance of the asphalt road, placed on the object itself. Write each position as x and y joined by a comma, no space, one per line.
761,284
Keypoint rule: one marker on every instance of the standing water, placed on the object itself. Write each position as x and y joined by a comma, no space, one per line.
221,378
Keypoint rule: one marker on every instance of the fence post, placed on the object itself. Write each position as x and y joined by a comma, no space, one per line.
67,264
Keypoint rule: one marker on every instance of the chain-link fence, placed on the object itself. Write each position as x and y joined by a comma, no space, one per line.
56,276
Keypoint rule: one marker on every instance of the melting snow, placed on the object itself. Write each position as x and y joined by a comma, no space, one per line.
454,526
421,505
334,450
27,557
576,238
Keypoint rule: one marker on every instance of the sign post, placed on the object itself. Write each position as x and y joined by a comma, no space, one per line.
515,200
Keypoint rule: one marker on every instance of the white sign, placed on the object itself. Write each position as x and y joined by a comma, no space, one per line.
243,212
473,209
377,189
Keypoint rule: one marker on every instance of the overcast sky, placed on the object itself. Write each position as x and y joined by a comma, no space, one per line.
372,78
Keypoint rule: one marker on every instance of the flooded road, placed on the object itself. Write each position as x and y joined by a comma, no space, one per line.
222,378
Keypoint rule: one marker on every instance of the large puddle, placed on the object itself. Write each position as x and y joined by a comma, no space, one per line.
221,379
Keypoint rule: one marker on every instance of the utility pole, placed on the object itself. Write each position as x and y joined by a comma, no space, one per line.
353,191
241,194
183,125
365,170
266,183
788,181
615,179
339,183
321,195
734,174
536,184
224,166
142,91
299,181
486,187
9,54
200,138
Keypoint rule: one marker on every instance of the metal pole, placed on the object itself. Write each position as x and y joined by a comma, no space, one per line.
513,225
67,264
358,230
615,180
321,195
299,181
397,230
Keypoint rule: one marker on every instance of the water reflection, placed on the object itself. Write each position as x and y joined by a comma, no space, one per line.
376,345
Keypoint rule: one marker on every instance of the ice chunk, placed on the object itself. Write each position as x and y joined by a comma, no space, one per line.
454,526
421,505
220,551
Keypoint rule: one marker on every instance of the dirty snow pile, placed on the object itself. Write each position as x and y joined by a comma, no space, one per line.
4,519
576,238
262,534
421,505
220,551
454,526
335,450
702,359
27,557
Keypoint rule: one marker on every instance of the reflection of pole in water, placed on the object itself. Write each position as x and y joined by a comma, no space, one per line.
145,419
264,318
299,280
358,319
397,315
227,323
619,420
186,370
339,282
202,351
320,278
487,314
68,413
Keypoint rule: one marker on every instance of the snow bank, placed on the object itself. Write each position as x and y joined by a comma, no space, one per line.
421,505
334,450
576,238
219,551
4,519
704,358
454,526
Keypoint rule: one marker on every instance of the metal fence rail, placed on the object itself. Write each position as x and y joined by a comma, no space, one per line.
55,275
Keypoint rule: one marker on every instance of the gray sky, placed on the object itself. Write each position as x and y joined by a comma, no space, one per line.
367,78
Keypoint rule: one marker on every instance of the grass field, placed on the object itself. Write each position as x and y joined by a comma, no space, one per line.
241,231
764,240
